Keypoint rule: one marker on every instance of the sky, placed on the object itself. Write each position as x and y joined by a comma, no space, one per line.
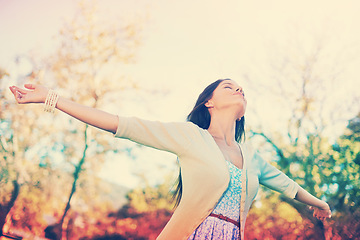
188,44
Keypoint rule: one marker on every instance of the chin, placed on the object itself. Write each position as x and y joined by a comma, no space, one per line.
241,107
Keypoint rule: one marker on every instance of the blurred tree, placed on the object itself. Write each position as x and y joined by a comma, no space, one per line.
146,213
287,223
342,175
339,177
21,180
8,179
86,66
344,161
40,150
306,93
143,217
3,74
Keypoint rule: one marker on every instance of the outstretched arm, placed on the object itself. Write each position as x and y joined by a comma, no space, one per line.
278,181
97,118
321,208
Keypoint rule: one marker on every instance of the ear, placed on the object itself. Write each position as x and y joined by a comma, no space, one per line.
209,104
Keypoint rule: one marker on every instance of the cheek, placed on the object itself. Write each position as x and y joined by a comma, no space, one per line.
220,101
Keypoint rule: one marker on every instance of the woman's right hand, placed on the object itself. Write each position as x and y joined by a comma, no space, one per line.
32,94
37,94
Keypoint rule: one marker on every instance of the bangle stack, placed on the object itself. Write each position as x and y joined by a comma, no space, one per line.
51,100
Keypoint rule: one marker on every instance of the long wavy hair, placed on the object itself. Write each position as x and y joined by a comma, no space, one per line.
200,116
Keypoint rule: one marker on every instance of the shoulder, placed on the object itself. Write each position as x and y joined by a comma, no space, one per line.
253,158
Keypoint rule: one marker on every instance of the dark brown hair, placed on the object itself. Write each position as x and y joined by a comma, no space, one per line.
200,116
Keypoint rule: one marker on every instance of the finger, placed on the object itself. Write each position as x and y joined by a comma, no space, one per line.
22,91
325,216
19,97
12,90
30,86
15,91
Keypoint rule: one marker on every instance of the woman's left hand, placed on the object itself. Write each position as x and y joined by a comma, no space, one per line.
322,213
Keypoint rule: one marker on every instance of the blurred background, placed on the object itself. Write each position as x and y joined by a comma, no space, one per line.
297,61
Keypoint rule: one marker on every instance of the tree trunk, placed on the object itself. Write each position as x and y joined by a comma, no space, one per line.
55,231
5,209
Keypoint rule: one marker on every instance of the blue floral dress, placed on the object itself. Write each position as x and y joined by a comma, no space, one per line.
229,206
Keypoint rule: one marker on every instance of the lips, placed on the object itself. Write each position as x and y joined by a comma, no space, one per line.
239,93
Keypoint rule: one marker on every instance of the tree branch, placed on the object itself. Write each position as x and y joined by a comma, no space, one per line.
277,149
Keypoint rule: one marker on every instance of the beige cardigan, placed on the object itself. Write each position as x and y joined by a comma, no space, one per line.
205,174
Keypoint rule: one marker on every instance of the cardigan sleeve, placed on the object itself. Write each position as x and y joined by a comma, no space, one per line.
173,137
273,178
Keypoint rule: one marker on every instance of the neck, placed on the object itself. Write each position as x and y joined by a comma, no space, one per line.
222,128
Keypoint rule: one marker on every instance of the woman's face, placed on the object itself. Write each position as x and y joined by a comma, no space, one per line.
228,95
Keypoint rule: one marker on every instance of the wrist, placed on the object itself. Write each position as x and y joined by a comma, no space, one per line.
46,94
324,205
51,101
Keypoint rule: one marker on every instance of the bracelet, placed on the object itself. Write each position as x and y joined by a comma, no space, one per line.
51,101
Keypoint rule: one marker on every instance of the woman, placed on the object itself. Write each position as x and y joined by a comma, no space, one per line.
219,177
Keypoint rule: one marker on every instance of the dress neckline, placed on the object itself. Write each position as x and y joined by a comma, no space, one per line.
240,169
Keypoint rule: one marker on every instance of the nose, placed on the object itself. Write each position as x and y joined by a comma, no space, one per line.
240,90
